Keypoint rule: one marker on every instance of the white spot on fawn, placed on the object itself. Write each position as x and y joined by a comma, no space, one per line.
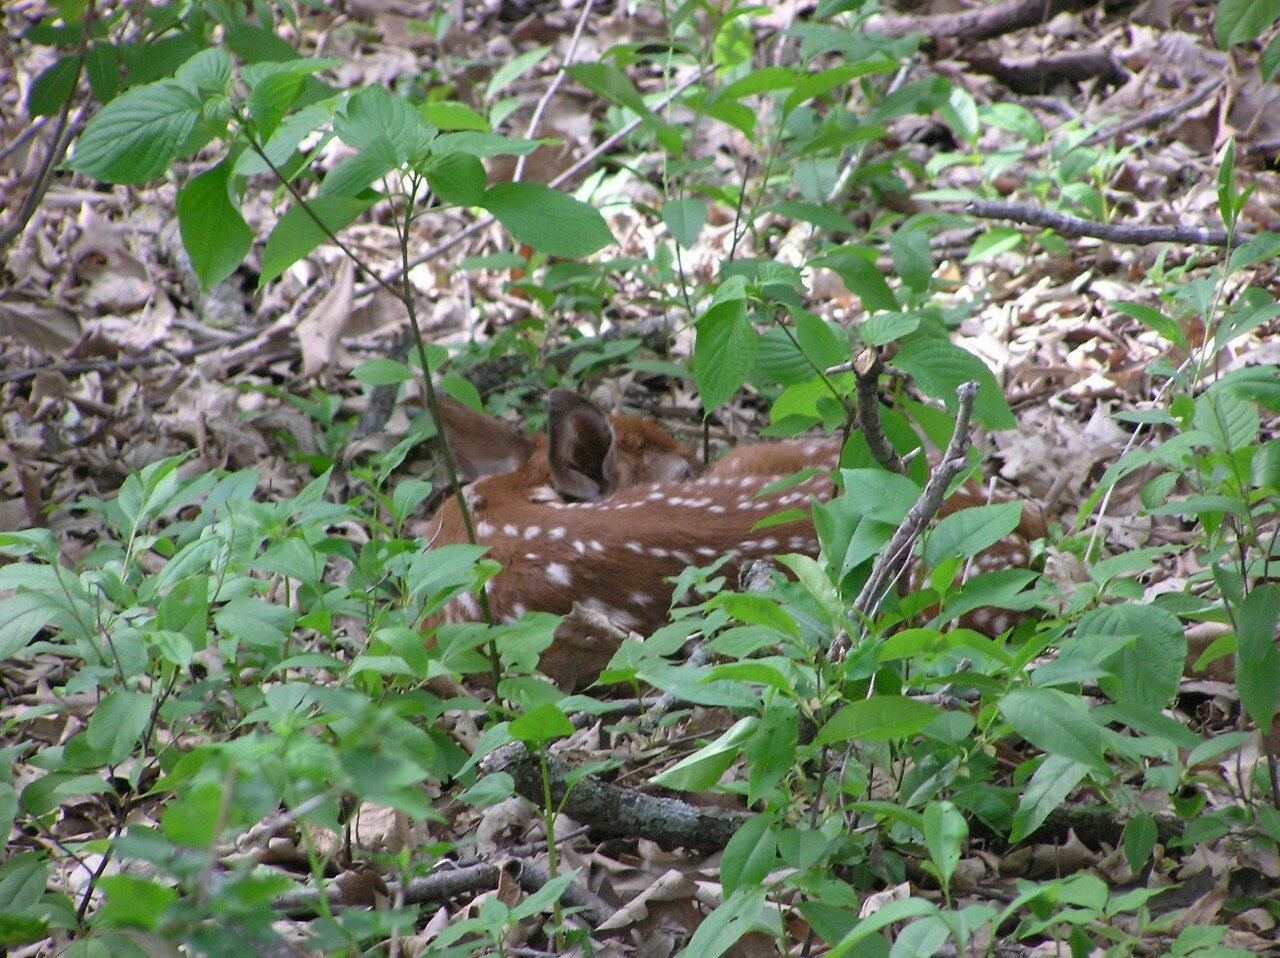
580,547
484,529
556,534
635,547
510,530
641,598
532,532
558,574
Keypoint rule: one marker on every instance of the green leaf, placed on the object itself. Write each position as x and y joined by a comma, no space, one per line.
684,219
1230,422
995,241
1049,787
724,352
1270,62
297,234
1238,21
750,855
702,770
1139,839
102,66
489,791
545,723
137,135
547,220
513,70
1257,658
881,718
207,73
857,267
912,258
938,366
725,926
945,832
52,88
482,144
271,99
214,233
373,117
1144,673
1055,723
1155,320
457,178
117,724
382,372
449,115
356,173
132,902
21,617
967,532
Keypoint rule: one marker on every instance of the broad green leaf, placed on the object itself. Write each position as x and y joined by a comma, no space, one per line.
547,220
356,173
117,723
271,99
879,494
857,267
382,372
214,232
1257,658
513,70
1139,839
374,116
881,718
896,911
912,258
768,80
995,241
967,532
482,144
545,723
1155,320
725,926
102,67
449,115
724,352
297,233
750,855
137,135
1049,787
1231,423
1237,21
945,832
207,73
938,367
51,89
1055,723
21,617
1144,673
457,178
702,770
684,219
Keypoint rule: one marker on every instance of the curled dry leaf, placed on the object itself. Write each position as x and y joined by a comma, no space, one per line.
319,331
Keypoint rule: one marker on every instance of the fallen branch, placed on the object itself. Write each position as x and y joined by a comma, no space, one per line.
983,23
1066,225
669,822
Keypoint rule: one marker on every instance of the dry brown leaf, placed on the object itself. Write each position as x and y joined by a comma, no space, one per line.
320,330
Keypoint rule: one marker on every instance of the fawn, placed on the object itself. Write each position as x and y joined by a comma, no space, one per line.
604,508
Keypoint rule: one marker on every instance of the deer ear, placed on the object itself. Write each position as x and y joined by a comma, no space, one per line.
482,446
583,450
